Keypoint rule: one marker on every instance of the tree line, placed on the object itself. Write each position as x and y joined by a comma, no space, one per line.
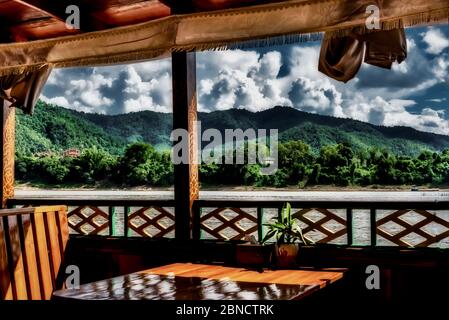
334,164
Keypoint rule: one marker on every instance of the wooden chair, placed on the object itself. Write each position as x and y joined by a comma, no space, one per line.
32,245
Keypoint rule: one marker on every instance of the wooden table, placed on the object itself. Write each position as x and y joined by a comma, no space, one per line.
187,281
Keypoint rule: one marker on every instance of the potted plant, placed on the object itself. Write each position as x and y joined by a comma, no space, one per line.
288,235
253,254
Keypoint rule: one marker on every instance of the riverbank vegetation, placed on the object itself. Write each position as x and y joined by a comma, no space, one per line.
335,164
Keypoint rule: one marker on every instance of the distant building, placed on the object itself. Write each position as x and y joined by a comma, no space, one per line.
72,153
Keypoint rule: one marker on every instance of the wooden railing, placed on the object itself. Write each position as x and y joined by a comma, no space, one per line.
121,218
406,224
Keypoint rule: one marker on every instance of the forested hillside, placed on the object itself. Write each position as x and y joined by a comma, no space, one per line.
53,128
133,150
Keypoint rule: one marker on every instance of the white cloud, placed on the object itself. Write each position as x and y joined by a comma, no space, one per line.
55,77
153,69
437,100
440,68
114,89
242,79
138,104
269,65
88,92
60,101
153,94
428,120
318,96
256,81
394,113
213,62
401,68
436,41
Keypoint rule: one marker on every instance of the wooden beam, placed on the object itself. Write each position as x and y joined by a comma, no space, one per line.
38,29
51,8
184,117
57,10
133,13
190,6
5,34
180,6
7,151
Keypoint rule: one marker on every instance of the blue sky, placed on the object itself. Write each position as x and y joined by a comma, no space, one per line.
414,93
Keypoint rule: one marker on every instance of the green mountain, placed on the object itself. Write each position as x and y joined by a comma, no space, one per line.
318,130
54,128
144,126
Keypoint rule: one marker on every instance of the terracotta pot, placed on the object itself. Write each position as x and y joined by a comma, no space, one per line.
253,255
286,255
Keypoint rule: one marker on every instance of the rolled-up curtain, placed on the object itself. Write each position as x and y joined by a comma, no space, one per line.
341,58
23,89
385,47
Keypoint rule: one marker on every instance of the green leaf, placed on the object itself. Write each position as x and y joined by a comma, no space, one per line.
268,236
288,213
279,226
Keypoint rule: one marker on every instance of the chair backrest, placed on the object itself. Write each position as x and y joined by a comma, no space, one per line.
32,245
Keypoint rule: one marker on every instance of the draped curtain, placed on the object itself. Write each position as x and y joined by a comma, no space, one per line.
23,89
341,57
295,20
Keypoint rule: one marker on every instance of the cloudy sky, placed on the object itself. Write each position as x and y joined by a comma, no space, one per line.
414,93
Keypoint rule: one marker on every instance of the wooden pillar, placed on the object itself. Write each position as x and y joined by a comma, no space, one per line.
184,117
7,151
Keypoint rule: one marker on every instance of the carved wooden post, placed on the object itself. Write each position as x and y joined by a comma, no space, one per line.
8,122
184,117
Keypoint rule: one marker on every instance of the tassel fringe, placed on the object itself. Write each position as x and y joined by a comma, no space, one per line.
421,19
431,17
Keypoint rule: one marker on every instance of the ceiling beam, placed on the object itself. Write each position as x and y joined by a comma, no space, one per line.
53,10
191,6
57,10
131,13
6,36
180,6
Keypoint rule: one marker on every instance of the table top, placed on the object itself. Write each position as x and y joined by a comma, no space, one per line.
187,281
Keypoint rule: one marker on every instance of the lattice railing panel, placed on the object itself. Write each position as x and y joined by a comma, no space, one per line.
229,223
412,228
88,220
370,224
152,222
321,225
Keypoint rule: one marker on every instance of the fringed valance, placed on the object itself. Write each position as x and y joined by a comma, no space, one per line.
284,22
